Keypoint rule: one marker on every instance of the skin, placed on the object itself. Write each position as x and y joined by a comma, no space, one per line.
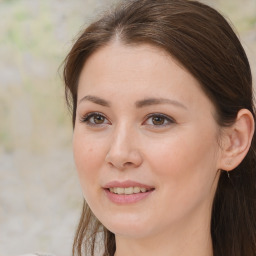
179,155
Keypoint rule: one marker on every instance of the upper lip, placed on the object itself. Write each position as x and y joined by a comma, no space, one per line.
126,184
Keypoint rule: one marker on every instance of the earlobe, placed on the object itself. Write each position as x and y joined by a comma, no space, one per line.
238,139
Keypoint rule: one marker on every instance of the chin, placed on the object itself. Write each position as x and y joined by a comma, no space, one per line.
127,227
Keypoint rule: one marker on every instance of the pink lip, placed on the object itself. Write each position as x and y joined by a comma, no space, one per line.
126,199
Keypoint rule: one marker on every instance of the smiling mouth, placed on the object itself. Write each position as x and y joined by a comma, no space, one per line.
129,190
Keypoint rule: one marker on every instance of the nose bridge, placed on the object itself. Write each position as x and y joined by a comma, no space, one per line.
123,150
122,137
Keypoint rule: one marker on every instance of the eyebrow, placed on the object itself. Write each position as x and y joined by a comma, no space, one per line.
95,100
138,104
157,101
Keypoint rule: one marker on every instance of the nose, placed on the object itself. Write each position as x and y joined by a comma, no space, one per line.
123,152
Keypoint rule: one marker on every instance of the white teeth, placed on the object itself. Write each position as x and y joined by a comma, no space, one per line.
127,191
119,190
142,190
136,190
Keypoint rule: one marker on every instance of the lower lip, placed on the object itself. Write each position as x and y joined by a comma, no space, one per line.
126,199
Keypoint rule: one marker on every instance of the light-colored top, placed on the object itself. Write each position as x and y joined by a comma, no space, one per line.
37,254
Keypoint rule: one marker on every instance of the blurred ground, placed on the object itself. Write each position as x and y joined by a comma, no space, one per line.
40,198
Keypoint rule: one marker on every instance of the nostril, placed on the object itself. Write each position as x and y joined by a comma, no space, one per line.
128,164
110,164
123,159
121,166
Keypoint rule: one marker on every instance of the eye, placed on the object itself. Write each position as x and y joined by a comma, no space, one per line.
158,120
94,119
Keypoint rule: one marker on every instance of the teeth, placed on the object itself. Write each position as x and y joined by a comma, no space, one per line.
119,190
128,191
136,190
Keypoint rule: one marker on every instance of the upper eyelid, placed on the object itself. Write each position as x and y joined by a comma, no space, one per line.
94,113
91,114
162,115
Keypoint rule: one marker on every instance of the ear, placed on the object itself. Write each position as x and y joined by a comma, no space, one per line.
236,140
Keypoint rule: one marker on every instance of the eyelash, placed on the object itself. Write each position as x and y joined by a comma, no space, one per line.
166,118
87,117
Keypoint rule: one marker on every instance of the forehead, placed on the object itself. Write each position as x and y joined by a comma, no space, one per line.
138,71
133,58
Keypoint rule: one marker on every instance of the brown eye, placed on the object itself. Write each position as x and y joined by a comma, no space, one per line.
95,119
158,120
98,119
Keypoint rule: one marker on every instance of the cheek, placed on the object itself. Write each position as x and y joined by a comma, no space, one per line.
185,160
185,171
88,156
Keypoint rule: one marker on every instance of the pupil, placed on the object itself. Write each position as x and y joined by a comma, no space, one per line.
98,119
158,120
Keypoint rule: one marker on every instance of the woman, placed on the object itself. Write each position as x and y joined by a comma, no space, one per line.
163,116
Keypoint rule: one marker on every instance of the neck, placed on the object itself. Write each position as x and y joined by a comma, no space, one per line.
181,240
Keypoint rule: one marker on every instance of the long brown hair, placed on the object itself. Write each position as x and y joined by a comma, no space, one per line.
203,42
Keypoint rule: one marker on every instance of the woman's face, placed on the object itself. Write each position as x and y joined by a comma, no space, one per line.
145,142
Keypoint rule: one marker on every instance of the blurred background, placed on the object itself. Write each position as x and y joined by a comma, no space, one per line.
40,197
